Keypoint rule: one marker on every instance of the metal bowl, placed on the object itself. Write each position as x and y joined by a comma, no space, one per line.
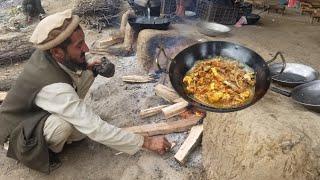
212,29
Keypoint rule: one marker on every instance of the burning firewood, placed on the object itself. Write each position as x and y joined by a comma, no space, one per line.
175,109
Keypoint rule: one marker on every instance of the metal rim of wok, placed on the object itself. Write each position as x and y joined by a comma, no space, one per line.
305,94
294,74
200,51
164,25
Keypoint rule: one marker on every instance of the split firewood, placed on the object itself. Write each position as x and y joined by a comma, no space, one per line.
175,109
166,93
189,144
137,79
2,95
151,111
173,144
6,146
170,95
165,128
109,41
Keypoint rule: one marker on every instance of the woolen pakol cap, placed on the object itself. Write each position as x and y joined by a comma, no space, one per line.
54,29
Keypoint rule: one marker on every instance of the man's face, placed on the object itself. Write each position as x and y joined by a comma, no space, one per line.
75,52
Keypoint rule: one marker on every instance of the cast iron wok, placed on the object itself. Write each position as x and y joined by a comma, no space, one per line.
186,59
305,94
142,22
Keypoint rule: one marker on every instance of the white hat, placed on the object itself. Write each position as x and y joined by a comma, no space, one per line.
54,29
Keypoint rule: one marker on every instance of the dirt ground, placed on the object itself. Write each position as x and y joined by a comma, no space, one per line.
119,103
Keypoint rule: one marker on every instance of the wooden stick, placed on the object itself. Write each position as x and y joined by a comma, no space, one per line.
137,79
189,144
166,93
151,111
165,128
175,109
2,95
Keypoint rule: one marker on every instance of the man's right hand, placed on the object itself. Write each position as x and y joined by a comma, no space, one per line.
158,144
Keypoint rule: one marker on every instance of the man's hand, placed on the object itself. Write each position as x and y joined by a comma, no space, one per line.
103,67
93,63
158,144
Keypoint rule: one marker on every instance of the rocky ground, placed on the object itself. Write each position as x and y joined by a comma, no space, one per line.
119,103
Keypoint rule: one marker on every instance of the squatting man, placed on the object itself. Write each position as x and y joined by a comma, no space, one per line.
45,108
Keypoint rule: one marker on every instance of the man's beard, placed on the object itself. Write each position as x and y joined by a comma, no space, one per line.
74,65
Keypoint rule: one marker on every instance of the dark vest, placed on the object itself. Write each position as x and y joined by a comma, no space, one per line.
21,120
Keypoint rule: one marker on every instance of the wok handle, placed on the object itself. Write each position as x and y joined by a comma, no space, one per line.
284,64
161,49
281,91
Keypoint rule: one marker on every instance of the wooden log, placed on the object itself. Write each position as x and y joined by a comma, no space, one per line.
151,111
15,55
109,41
175,109
137,79
2,96
189,144
165,127
166,93
15,47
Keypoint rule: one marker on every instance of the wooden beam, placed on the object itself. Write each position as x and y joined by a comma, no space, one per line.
165,128
189,144
175,109
166,93
2,95
151,111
